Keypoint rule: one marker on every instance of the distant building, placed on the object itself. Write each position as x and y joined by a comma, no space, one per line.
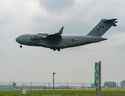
6,87
122,84
14,84
110,84
93,85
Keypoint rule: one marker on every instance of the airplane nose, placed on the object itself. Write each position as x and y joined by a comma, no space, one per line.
23,39
18,39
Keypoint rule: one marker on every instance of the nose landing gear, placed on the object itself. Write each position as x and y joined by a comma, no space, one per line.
21,46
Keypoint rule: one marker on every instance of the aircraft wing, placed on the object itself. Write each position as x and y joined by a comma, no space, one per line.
56,35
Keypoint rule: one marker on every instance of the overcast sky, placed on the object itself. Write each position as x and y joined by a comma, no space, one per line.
71,65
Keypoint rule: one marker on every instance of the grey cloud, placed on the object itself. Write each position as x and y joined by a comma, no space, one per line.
57,6
79,16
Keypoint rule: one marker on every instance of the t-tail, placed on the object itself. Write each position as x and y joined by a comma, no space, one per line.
103,26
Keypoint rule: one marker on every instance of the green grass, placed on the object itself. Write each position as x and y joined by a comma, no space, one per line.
64,92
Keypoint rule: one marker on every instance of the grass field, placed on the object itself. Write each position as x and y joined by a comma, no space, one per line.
64,92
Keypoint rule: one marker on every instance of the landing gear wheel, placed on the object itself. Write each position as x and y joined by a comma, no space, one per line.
58,49
54,49
21,46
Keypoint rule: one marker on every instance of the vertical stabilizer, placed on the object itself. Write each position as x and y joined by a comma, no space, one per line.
103,26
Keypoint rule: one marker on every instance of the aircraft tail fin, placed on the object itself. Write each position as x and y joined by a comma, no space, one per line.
103,26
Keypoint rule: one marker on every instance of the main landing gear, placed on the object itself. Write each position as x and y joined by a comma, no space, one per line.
54,49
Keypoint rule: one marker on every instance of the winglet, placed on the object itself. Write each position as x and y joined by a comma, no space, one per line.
56,35
61,30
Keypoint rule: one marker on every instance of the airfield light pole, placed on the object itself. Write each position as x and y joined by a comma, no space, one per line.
54,79
98,78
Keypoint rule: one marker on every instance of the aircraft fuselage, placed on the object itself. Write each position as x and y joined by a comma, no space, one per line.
57,43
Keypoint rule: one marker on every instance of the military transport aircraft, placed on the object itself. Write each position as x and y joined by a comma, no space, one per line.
57,41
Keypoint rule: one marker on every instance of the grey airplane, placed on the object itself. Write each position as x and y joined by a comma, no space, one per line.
57,41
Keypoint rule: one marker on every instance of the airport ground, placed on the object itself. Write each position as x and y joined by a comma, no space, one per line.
65,92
